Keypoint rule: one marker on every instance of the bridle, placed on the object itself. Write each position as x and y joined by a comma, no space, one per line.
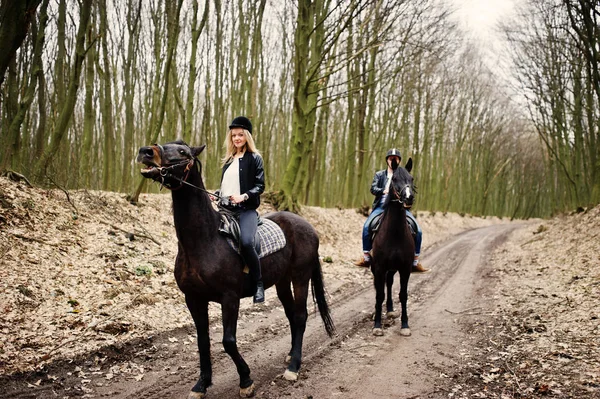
166,172
397,197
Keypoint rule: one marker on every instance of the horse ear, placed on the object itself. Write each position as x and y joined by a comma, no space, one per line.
197,150
408,166
395,164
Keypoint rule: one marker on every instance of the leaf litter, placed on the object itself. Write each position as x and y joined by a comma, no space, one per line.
541,290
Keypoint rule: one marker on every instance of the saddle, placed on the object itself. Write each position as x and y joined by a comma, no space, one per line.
230,228
269,237
376,223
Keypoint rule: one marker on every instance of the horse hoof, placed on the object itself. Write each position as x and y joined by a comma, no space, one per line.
290,375
288,359
247,392
405,332
196,395
378,332
393,314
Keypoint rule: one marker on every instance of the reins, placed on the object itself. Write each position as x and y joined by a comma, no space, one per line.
165,171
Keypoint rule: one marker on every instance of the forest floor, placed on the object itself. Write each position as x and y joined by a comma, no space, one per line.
89,307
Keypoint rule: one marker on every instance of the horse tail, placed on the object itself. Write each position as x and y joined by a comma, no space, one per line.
318,291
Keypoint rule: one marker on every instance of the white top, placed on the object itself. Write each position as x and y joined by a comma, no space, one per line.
231,179
389,180
387,186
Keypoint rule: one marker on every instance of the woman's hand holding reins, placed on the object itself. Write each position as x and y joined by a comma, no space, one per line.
237,199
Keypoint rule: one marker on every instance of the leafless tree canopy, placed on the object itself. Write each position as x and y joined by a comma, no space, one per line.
329,86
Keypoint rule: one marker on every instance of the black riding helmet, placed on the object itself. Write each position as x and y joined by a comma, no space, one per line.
393,153
241,121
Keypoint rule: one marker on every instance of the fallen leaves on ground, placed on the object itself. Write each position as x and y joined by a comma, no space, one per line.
541,337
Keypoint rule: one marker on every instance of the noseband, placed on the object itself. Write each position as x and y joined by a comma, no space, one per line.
167,171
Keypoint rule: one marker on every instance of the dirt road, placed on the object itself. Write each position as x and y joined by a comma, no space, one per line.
355,364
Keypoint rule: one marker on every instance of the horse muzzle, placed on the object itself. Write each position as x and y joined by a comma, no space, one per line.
151,158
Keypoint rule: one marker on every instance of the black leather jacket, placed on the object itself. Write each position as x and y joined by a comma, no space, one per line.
378,186
252,178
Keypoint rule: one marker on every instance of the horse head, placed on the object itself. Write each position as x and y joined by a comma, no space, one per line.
402,184
169,164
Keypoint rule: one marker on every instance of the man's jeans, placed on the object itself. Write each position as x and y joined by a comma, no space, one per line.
419,235
366,236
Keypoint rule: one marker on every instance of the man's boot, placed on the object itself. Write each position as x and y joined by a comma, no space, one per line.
364,261
259,296
418,268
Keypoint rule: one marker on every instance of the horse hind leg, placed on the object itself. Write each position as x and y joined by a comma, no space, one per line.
389,304
230,308
379,282
300,315
284,293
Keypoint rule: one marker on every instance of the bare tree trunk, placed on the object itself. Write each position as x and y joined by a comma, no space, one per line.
69,104
133,25
15,18
89,113
108,150
196,32
14,131
172,34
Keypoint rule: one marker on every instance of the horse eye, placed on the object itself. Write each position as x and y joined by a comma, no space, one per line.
182,152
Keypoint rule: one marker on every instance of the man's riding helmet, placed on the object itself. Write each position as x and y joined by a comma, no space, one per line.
241,121
393,153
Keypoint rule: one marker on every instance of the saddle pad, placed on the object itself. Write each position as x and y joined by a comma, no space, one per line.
270,238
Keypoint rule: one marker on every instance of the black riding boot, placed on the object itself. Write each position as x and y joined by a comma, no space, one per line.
259,296
248,220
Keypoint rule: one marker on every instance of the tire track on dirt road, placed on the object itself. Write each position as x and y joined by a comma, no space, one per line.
407,367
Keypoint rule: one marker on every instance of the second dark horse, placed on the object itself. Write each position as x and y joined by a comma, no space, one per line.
393,246
208,269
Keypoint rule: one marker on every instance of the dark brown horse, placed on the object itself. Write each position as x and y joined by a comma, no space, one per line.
393,246
208,269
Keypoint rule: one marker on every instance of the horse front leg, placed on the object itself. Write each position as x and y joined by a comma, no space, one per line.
405,330
199,312
389,282
230,307
379,282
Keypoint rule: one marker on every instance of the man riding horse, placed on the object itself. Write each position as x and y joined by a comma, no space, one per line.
380,189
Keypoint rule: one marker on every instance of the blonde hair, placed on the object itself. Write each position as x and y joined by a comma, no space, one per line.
230,149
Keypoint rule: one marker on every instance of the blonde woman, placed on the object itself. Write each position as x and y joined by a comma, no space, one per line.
242,182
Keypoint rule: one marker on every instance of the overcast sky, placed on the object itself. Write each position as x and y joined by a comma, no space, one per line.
481,16
479,20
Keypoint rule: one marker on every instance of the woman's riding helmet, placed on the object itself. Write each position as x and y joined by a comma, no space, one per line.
241,121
